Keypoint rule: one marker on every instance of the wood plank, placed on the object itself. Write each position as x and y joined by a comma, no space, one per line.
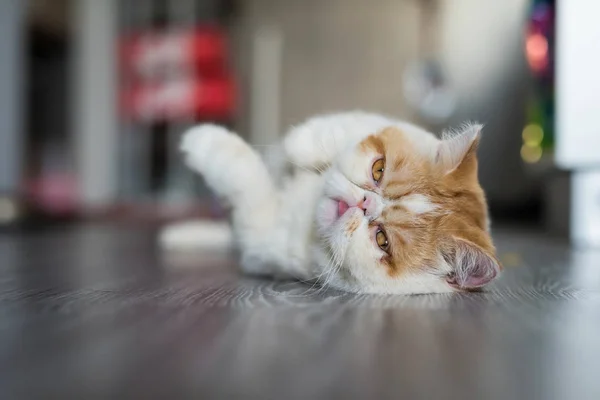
99,311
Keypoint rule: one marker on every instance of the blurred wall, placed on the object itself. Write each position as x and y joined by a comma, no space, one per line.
337,54
483,53
12,32
345,54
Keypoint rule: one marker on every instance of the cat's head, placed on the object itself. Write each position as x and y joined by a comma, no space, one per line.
400,215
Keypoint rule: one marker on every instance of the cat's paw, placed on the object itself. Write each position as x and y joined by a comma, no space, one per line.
201,143
306,148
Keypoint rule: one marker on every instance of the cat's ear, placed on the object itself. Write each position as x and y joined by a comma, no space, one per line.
472,266
457,147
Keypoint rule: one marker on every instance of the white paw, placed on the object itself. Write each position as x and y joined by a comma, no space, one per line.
200,143
300,149
309,149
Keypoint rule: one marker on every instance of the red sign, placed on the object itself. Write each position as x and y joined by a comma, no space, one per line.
181,99
178,74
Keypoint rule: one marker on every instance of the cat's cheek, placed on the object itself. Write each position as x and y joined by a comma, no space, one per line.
357,166
353,221
326,213
363,260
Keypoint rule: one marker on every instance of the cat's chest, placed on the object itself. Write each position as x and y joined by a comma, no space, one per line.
299,199
299,203
303,190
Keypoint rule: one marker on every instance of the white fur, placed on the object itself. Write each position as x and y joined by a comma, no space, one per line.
291,230
418,204
456,144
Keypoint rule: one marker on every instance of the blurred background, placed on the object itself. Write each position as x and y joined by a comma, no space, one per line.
94,94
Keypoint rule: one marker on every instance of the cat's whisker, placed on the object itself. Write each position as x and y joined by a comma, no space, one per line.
328,271
325,271
337,260
317,279
306,292
333,269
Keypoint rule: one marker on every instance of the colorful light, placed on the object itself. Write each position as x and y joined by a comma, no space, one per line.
531,154
536,50
533,134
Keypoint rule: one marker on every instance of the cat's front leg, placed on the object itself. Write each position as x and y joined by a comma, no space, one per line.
230,167
314,144
237,174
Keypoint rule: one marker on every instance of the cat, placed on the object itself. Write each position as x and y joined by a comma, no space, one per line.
370,205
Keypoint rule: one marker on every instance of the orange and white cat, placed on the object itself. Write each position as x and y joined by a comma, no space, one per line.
371,205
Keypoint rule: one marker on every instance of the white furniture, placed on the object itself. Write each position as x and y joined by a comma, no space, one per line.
578,113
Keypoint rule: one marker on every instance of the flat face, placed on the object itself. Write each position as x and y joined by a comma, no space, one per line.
398,219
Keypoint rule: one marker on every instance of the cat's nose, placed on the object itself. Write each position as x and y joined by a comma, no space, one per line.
371,206
364,204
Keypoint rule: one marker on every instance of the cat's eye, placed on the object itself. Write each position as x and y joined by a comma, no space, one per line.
377,170
382,240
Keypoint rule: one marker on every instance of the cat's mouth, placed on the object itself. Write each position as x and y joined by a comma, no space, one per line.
342,207
333,211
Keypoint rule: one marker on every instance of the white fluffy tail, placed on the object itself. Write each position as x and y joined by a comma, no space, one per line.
197,235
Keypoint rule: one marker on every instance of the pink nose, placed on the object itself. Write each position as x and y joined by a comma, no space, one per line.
364,204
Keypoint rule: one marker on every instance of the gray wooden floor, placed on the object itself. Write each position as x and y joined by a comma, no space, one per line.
98,312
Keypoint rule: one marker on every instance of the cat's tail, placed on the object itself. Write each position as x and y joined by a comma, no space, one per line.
197,235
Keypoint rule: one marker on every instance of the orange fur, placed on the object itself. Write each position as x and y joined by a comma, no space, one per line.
352,226
459,210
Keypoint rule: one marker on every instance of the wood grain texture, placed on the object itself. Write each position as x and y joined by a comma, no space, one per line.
99,312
